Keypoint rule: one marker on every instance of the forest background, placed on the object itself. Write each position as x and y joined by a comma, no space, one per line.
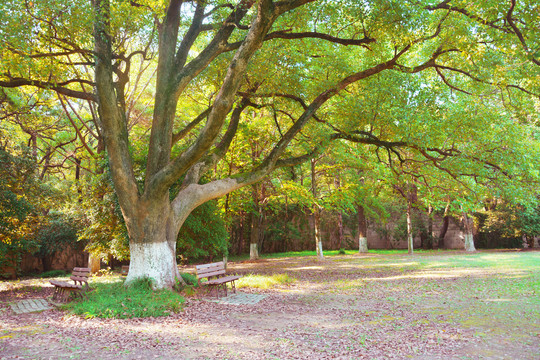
167,131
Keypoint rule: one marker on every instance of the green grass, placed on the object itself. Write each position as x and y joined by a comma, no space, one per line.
53,273
333,253
190,279
110,299
291,254
264,281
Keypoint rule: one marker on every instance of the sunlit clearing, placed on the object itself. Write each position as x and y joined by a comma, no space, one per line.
443,275
264,281
310,268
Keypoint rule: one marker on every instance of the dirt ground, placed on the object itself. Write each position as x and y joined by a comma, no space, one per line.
347,307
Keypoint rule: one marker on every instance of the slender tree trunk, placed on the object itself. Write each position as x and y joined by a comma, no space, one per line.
535,242
410,239
78,179
468,234
340,230
46,262
316,211
362,230
431,243
318,239
254,237
524,242
241,235
46,163
337,184
444,228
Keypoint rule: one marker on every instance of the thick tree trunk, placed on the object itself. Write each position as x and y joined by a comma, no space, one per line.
152,245
155,260
362,230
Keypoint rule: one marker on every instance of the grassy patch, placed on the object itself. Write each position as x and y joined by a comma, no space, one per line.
264,281
331,253
190,279
113,300
53,273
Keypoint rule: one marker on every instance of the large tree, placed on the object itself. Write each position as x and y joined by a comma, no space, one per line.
296,55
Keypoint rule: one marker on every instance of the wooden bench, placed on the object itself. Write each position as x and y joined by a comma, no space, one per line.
79,287
216,275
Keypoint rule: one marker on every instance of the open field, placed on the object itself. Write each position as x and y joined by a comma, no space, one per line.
432,305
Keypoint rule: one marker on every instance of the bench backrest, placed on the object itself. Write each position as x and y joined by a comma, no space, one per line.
209,270
80,275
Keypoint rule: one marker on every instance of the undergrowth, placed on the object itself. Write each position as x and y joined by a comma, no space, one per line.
114,300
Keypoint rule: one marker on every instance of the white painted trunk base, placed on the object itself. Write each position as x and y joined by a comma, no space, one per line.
410,244
154,260
362,245
320,253
253,252
469,242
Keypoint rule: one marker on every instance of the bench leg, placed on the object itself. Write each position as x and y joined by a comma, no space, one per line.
56,292
60,294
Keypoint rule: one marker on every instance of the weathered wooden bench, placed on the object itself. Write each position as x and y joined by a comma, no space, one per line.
216,275
64,289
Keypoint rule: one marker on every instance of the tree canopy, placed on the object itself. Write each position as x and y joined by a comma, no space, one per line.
446,91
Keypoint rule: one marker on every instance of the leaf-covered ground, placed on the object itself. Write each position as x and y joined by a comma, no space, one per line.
434,305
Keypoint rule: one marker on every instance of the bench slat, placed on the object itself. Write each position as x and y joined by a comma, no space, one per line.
217,265
223,280
210,274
